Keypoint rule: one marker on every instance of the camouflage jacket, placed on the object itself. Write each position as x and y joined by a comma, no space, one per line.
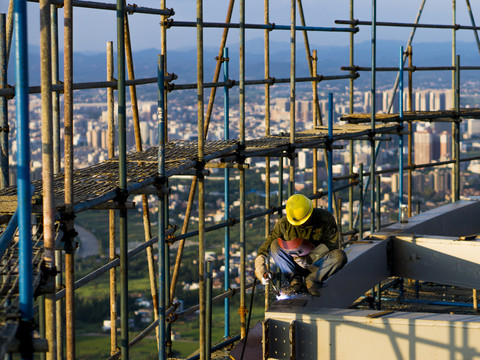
321,228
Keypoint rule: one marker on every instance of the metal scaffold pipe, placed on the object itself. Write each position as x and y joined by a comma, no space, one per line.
23,176
106,6
47,174
330,155
193,186
68,168
455,184
163,287
138,147
399,24
201,182
472,19
410,130
404,56
293,61
373,111
315,111
242,309
111,213
122,176
226,187
4,128
400,137
350,110
270,27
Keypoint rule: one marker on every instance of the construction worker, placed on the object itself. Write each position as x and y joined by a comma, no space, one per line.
304,244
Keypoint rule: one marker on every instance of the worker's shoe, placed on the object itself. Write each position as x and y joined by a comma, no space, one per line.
313,287
296,285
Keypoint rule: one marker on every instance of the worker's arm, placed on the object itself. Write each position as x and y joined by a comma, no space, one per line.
262,257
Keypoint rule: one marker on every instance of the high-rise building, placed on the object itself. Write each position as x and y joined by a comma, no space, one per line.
445,146
424,146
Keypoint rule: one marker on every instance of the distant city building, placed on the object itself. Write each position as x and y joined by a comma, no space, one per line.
424,146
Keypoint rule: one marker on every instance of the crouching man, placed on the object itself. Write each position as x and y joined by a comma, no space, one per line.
304,245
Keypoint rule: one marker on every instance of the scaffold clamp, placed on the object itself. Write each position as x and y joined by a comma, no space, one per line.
242,310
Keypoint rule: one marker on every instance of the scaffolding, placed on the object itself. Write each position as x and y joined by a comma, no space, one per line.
38,259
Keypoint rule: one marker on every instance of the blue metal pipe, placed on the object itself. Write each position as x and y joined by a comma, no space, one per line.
329,152
23,164
161,210
373,110
400,140
4,180
226,104
7,235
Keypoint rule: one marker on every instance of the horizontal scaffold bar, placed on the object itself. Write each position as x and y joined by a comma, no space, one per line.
109,6
270,81
413,68
399,24
88,85
171,22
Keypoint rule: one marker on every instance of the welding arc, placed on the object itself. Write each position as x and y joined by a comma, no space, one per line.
249,317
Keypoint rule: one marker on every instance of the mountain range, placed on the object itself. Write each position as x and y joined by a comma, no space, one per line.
91,66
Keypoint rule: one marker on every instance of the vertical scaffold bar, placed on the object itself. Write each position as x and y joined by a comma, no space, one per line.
400,139
68,167
163,288
472,20
55,95
9,27
47,173
4,180
111,213
409,43
138,146
60,329
201,180
410,130
456,132
378,199
330,157
360,201
291,184
267,133
314,113
373,110
243,323
351,109
23,172
454,100
226,187
122,176
193,186
208,335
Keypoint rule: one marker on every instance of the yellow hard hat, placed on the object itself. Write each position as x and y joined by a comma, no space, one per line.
299,208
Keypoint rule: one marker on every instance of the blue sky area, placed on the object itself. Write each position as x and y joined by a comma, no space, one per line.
93,28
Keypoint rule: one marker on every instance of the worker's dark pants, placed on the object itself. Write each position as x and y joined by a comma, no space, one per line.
324,267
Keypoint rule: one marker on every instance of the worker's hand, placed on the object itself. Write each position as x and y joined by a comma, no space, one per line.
302,261
261,267
266,278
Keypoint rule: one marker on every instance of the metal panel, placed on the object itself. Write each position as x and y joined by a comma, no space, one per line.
456,219
352,334
440,260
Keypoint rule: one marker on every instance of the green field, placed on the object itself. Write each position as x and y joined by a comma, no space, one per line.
96,346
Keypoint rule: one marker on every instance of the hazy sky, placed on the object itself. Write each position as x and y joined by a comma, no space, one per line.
93,28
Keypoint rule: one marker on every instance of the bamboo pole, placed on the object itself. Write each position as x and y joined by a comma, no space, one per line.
193,186
111,213
69,200
138,146
47,175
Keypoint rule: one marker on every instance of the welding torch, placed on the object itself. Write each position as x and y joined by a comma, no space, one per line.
269,277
